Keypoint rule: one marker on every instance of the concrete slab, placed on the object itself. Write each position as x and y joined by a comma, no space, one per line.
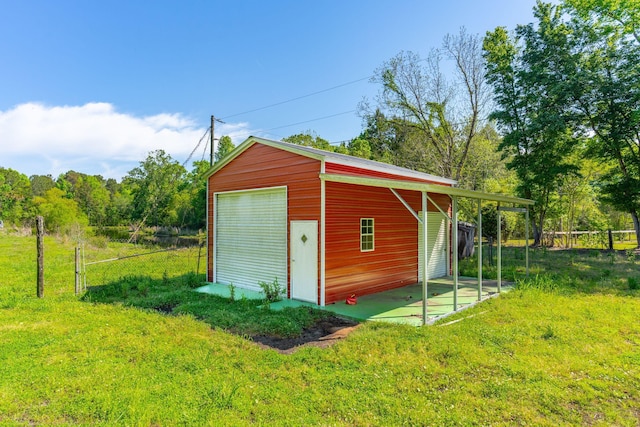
225,291
400,305
404,305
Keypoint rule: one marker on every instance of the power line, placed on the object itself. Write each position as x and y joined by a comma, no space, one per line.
196,147
204,151
297,98
309,121
239,135
280,103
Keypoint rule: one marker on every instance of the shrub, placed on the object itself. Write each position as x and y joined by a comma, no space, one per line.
193,280
631,255
272,290
232,292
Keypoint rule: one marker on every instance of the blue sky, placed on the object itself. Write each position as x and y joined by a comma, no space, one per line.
95,86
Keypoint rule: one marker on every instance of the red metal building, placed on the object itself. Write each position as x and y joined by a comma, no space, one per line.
325,225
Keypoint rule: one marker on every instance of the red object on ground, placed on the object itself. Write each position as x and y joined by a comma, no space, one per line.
351,300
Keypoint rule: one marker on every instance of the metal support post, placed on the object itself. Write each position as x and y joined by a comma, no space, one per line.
499,248
479,249
425,261
454,225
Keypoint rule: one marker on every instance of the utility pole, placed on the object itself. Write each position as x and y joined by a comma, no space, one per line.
213,120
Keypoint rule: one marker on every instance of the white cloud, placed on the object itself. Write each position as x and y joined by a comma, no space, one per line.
96,139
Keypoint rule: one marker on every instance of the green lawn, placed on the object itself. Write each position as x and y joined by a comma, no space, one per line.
561,349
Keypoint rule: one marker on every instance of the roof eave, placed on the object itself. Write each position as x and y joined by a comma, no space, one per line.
419,186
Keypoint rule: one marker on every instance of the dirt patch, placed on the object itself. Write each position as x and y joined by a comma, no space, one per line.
323,333
165,308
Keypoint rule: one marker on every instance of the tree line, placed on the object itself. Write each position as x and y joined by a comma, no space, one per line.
549,111
159,192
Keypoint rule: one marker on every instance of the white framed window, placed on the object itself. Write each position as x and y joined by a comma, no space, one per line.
366,235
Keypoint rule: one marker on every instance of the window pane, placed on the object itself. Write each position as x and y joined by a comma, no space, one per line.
366,234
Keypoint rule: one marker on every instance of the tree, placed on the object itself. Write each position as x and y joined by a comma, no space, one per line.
15,196
444,115
528,75
153,186
607,99
225,146
620,15
41,183
385,138
359,147
60,213
485,164
309,140
93,198
193,197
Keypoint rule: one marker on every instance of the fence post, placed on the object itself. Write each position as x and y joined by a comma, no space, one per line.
40,258
610,240
77,270
490,250
199,253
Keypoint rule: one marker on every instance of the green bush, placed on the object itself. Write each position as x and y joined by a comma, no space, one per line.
272,290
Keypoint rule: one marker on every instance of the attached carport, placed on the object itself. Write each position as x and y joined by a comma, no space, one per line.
503,202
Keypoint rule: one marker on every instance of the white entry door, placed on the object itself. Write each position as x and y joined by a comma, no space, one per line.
304,260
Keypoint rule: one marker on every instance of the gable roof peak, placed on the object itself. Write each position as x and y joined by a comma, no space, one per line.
353,161
332,157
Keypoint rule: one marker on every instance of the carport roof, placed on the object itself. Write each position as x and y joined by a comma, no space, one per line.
438,184
423,187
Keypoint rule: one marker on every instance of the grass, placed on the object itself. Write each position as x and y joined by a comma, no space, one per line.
561,349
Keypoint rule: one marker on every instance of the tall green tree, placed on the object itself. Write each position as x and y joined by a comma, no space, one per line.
385,138
607,94
15,196
41,183
486,164
93,198
579,200
193,197
154,186
60,212
619,15
530,106
225,146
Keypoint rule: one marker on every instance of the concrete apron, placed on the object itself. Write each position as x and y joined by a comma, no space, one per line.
404,305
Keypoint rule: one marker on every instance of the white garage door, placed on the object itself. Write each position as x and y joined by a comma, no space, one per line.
251,237
437,235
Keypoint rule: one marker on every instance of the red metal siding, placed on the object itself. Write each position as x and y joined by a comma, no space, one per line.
394,262
261,166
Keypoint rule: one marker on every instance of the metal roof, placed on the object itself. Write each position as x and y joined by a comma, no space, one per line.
372,165
329,156
419,186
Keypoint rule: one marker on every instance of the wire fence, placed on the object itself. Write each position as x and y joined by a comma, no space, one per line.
117,260
601,239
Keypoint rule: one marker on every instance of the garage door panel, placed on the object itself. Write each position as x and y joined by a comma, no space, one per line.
251,237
